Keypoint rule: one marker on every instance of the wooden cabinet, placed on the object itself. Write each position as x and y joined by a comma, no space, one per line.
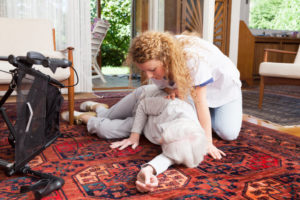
251,52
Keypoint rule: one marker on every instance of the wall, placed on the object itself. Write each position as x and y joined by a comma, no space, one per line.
234,30
244,11
208,20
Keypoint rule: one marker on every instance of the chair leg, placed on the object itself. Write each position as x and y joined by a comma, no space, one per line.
261,91
71,105
97,69
99,74
71,89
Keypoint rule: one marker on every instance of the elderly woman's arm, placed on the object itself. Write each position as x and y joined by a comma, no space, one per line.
147,106
147,177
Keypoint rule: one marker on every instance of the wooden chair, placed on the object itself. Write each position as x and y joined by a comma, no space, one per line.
278,73
18,36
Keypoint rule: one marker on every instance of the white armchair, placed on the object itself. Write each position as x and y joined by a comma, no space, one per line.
18,36
278,73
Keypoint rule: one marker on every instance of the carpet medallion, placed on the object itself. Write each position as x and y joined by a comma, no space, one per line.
260,164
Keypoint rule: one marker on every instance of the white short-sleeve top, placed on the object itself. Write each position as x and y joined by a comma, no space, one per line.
209,67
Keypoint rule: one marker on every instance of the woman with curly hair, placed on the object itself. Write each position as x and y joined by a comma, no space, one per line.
197,71
184,66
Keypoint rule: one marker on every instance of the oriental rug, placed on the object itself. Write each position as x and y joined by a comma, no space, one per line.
260,164
277,108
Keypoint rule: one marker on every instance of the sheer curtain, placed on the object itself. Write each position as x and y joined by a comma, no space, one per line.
79,32
71,19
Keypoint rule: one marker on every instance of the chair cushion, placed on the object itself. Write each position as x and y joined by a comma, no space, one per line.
18,36
283,70
297,59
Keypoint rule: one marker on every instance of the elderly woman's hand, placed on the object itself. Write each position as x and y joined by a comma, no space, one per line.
133,140
172,93
146,180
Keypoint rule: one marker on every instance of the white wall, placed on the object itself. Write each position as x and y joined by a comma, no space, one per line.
234,30
208,20
244,11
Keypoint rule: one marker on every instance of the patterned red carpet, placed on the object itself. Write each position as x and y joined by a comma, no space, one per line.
260,164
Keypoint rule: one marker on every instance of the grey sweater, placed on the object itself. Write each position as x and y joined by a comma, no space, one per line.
153,116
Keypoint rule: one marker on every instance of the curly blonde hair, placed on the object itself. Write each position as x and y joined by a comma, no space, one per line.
164,47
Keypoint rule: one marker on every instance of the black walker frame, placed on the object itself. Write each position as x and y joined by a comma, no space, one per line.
47,183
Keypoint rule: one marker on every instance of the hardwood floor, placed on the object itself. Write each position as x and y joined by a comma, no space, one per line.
292,130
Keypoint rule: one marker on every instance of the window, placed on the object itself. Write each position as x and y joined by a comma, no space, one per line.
275,14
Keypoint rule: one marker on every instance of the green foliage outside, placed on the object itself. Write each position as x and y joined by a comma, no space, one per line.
93,5
275,14
115,45
114,70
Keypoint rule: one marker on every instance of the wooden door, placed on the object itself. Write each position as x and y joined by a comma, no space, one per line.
140,22
222,25
188,16
140,19
192,16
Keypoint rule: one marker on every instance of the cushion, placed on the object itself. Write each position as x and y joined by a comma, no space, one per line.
283,70
297,59
18,36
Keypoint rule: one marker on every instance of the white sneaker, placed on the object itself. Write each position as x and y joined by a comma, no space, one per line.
77,120
88,105
65,115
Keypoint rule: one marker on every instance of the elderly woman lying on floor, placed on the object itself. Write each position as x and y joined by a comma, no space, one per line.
169,123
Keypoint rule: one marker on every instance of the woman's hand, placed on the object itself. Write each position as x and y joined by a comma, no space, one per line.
146,180
133,140
172,93
214,152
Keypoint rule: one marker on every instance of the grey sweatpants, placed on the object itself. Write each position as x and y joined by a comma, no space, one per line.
116,122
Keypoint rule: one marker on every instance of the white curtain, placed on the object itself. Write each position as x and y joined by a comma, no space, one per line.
71,19
79,30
